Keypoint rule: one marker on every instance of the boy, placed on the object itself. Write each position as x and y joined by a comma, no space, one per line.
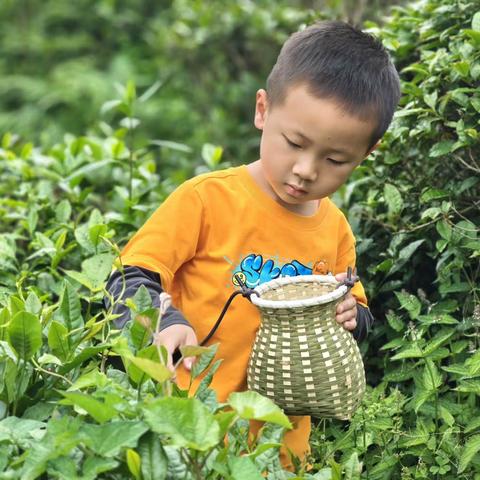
329,99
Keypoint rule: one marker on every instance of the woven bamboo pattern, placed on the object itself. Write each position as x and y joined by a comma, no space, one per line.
302,359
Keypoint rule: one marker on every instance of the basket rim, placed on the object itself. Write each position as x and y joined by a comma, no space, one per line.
308,302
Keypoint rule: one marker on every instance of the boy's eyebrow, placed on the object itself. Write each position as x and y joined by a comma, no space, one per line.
334,150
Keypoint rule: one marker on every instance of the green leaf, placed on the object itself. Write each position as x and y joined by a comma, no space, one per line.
469,451
97,268
253,406
472,425
439,339
433,194
444,229
154,460
204,384
393,198
242,468
153,369
441,148
142,299
353,468
410,303
4,321
476,22
395,321
412,351
108,439
204,361
58,340
85,354
96,409
63,211
193,350
432,379
25,334
185,421
69,312
134,463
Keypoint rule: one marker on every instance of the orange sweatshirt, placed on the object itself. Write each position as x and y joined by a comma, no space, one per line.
222,223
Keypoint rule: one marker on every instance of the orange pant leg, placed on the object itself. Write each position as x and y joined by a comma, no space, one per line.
295,441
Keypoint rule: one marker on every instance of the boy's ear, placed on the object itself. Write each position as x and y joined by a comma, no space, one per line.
261,107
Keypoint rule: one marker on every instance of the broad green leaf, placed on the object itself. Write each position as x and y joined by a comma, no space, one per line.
441,148
412,351
476,22
193,350
134,463
136,374
444,229
108,439
33,304
154,460
69,312
142,299
97,268
63,211
410,303
393,198
432,379
472,425
439,339
472,446
420,397
447,417
353,468
225,420
185,421
4,321
204,361
207,380
59,341
140,335
395,321
242,468
85,354
25,334
155,370
253,406
96,409
468,386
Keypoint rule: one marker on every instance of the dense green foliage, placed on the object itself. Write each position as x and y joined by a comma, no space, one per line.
64,208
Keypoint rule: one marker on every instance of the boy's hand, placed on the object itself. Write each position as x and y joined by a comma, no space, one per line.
347,308
174,337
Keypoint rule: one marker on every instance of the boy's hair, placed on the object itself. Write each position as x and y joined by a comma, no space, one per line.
338,61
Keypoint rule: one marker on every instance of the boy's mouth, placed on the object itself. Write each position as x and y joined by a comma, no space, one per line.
295,191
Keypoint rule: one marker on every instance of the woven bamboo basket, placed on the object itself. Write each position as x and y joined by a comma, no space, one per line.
302,359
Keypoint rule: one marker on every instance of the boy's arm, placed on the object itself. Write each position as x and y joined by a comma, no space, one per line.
134,278
365,321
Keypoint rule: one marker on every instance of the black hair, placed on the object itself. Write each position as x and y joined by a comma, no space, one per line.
336,60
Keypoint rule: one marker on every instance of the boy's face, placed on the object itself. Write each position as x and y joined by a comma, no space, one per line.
309,147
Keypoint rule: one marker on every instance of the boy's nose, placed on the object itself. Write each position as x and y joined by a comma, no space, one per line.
305,169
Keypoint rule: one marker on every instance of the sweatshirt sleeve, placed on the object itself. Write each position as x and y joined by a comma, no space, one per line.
134,278
170,237
346,257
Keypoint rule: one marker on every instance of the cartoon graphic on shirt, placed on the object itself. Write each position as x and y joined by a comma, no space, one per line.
254,270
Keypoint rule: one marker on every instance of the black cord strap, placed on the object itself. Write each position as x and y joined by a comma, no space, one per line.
244,291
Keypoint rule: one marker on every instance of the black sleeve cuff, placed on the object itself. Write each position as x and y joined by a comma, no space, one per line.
135,277
364,323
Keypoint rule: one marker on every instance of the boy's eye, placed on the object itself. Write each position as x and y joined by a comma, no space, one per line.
335,162
292,144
